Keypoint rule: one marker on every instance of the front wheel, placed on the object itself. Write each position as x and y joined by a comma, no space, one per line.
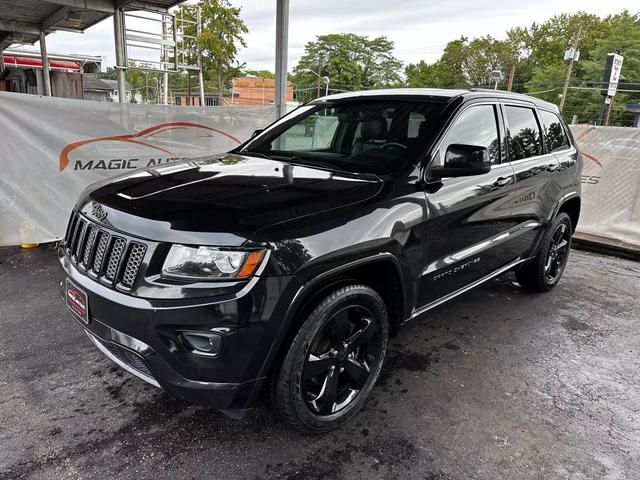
545,270
333,361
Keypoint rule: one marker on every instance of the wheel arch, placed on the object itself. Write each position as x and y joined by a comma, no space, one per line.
571,207
388,282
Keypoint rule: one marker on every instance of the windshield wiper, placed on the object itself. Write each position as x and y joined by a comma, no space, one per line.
255,154
314,163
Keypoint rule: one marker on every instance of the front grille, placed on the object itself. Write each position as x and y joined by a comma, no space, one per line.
115,260
127,357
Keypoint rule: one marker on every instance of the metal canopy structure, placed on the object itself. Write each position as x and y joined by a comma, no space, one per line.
21,21
29,21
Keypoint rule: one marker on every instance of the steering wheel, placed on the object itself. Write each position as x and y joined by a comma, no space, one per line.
392,144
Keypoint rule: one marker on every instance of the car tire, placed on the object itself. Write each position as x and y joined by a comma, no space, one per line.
545,270
343,340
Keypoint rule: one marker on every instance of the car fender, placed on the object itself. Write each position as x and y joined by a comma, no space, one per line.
306,291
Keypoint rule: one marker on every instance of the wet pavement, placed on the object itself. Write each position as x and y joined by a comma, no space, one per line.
497,384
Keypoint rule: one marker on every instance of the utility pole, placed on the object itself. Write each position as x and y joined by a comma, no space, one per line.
318,84
574,46
512,74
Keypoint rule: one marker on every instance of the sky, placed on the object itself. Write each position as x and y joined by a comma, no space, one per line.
420,29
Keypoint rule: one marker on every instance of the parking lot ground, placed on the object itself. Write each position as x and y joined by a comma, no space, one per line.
497,384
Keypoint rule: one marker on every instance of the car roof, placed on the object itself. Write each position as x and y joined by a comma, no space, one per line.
443,94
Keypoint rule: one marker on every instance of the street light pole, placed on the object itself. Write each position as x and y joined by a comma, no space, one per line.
324,79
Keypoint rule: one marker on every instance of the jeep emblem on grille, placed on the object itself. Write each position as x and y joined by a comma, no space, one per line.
97,212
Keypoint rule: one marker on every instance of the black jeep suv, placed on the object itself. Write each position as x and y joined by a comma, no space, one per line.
283,266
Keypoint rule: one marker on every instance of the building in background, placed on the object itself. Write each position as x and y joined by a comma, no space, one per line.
23,73
245,91
257,91
104,90
184,99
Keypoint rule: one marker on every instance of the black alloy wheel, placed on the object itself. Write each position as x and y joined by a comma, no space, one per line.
339,360
558,253
543,272
333,361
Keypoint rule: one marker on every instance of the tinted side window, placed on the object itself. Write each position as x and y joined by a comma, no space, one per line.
476,125
524,133
554,134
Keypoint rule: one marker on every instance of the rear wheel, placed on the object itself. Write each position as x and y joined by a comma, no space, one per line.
333,361
545,270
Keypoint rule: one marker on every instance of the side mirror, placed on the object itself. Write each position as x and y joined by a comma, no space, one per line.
257,132
463,161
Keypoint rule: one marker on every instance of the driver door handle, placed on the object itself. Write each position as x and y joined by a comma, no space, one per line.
502,181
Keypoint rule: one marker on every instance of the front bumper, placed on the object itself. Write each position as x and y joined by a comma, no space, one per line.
143,336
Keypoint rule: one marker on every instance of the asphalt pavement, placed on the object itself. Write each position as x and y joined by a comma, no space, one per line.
497,384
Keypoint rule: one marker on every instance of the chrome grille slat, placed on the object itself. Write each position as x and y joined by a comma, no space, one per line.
70,227
134,260
77,250
116,249
101,249
74,236
88,248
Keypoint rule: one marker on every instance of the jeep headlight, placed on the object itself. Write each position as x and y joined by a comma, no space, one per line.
202,263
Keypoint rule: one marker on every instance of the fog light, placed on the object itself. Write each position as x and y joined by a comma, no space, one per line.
202,343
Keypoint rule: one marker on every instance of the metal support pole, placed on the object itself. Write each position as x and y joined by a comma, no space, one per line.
282,48
165,88
121,68
46,78
198,33
165,59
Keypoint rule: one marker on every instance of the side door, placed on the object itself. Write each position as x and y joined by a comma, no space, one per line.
466,233
536,189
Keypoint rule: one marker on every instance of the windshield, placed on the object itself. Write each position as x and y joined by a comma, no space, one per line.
360,135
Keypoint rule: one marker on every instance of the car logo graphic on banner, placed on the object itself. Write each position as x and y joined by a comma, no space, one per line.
137,138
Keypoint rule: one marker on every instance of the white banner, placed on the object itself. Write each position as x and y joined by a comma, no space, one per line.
610,182
52,148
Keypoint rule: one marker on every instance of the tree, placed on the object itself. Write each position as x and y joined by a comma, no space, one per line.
260,73
142,82
623,36
463,63
221,35
351,62
537,52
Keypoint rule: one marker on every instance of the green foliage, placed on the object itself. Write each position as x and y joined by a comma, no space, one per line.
222,34
537,53
260,73
142,82
464,63
351,62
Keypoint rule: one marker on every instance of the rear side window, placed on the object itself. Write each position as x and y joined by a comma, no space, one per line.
524,133
554,133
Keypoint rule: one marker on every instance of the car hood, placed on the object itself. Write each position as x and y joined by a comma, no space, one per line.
231,195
